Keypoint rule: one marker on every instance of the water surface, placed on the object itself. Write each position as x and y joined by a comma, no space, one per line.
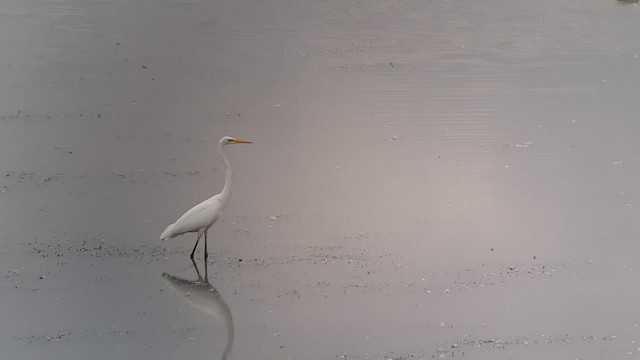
428,179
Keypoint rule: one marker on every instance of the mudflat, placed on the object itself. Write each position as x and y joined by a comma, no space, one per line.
428,179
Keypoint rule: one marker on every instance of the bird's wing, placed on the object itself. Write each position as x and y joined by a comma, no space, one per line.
199,216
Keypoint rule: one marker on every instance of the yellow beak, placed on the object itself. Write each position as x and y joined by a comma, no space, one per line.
238,141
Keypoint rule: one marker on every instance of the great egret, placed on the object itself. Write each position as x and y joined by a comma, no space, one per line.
202,216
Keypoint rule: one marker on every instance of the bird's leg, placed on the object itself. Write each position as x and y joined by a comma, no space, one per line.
206,253
196,245
206,273
197,271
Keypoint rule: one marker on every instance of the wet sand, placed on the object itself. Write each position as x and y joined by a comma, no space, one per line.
428,179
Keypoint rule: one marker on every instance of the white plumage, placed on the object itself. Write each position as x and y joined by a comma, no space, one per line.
202,216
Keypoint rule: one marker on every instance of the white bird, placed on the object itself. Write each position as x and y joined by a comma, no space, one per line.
202,216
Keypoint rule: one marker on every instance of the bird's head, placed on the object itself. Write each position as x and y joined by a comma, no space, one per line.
226,140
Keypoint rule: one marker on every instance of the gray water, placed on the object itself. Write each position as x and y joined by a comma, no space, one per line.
428,179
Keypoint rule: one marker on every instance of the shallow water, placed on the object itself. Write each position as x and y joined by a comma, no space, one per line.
428,179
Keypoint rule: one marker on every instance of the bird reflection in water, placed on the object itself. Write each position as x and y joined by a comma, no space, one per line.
203,296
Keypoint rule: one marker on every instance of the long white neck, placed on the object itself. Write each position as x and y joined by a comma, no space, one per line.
226,190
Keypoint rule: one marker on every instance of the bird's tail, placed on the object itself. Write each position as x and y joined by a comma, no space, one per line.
168,232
